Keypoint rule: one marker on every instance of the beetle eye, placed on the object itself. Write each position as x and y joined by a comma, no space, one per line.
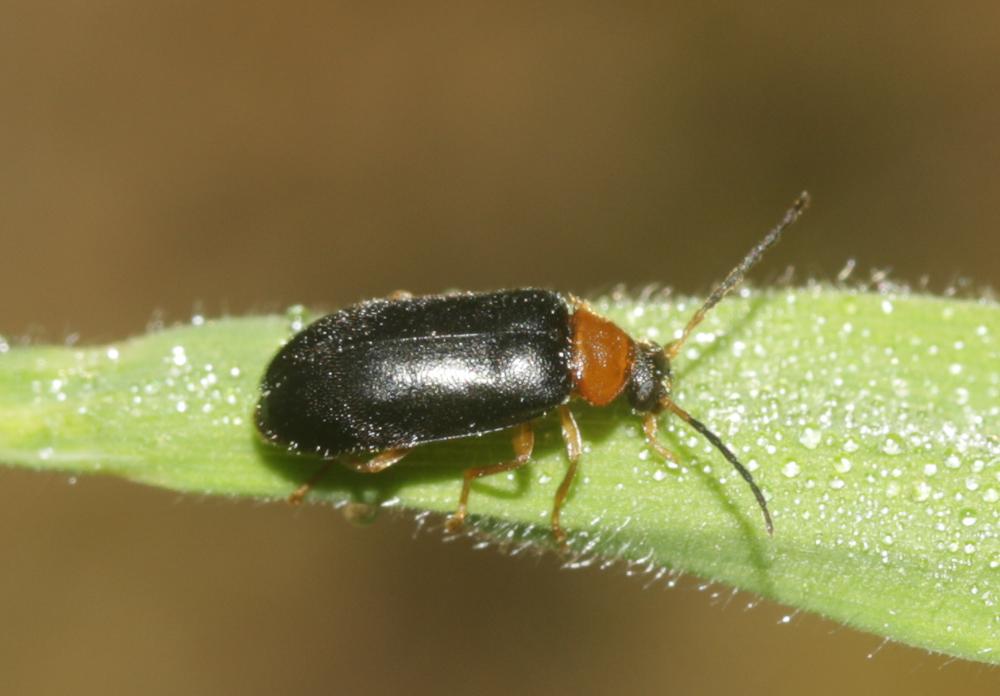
662,362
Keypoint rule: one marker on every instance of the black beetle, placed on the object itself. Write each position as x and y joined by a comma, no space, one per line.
384,376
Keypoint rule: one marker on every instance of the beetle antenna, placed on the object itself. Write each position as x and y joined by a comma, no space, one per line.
736,275
726,452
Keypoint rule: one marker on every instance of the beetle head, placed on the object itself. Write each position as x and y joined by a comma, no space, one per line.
649,378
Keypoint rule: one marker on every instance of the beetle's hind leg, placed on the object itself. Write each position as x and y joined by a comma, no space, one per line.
524,444
364,513
300,493
379,462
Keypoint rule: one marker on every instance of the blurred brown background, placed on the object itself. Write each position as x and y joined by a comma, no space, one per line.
242,156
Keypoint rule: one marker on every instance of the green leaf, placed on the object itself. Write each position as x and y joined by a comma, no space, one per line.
871,421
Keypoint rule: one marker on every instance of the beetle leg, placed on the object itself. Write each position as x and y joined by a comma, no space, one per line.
524,443
374,465
649,426
574,445
299,494
379,462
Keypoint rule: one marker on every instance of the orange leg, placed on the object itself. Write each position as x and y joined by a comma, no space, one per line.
524,443
299,494
574,445
374,465
363,513
379,462
649,426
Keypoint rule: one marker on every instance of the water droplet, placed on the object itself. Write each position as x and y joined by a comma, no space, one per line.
890,446
850,446
969,548
810,438
968,518
953,462
843,466
922,491
886,307
930,469
972,484
892,490
179,358
659,475
182,406
112,353
955,369
961,396
837,483
235,372
296,315
197,320
990,495
791,469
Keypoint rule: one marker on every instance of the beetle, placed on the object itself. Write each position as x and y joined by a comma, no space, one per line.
382,377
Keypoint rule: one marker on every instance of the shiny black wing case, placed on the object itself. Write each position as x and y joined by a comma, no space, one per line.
387,374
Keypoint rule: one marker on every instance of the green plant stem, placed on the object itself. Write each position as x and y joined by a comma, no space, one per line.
871,422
